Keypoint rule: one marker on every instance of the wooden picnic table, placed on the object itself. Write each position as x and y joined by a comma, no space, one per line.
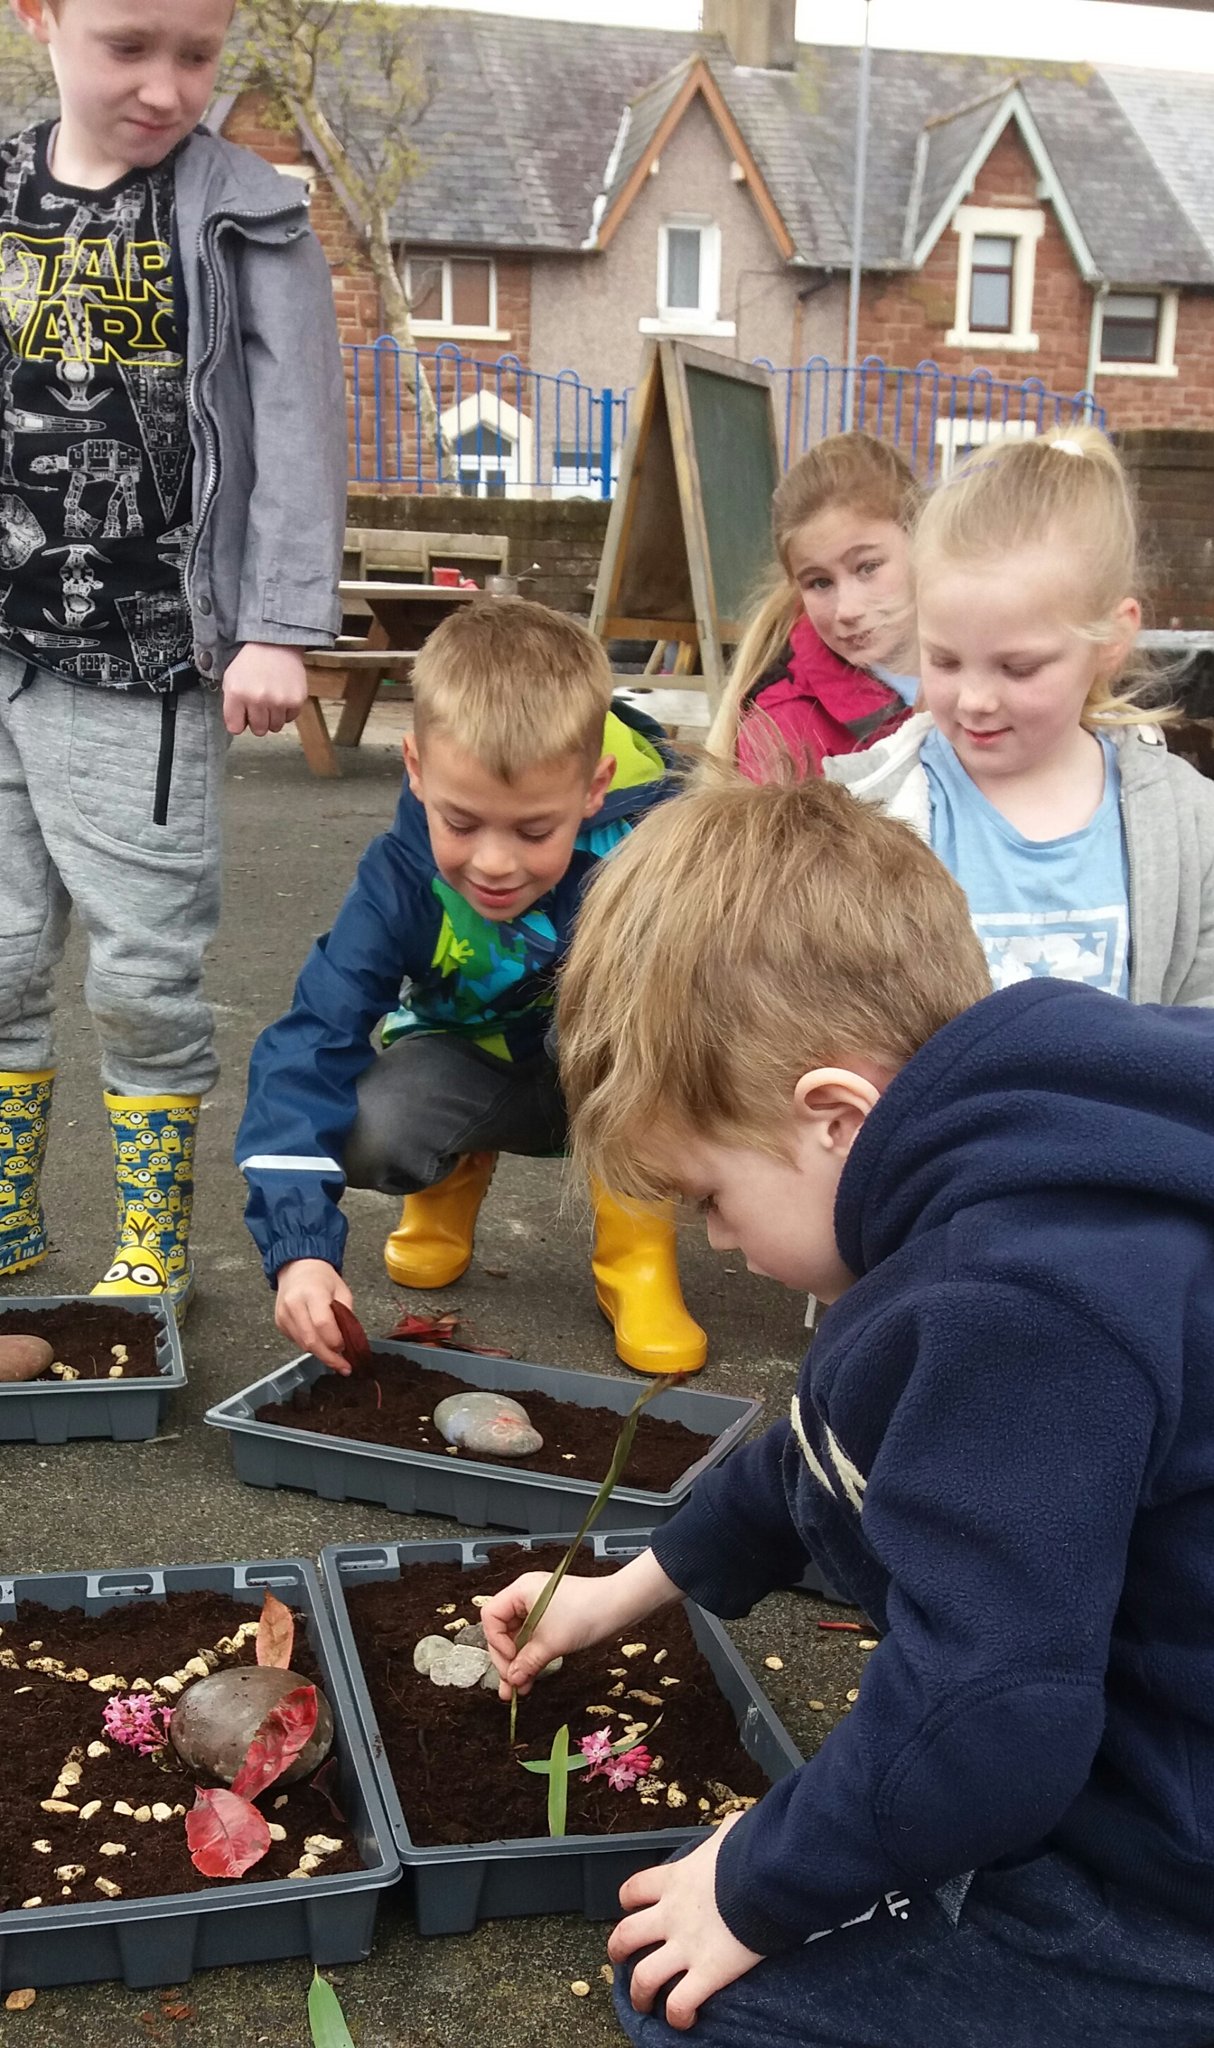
400,618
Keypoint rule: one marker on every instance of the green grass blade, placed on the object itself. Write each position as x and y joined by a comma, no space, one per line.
619,1460
558,1781
325,2016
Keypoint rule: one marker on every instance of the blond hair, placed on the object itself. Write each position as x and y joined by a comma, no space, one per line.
1065,491
743,935
850,472
514,684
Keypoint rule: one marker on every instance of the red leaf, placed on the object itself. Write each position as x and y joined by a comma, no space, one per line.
226,1834
354,1340
275,1634
286,1730
441,1331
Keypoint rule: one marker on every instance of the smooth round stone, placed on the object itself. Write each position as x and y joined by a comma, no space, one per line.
23,1358
445,1662
216,1719
492,1425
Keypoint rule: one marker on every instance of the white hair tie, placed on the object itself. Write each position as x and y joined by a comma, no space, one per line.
1067,447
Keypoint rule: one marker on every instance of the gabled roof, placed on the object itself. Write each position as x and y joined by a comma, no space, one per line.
944,176
649,121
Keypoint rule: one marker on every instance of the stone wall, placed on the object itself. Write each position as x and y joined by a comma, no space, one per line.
561,542
1173,473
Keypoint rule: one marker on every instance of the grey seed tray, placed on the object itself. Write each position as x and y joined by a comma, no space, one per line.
454,1889
163,1941
481,1495
130,1411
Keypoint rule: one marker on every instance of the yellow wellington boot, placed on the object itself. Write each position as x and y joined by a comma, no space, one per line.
153,1137
432,1244
636,1284
25,1108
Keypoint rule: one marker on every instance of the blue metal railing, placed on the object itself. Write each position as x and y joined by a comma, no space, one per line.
507,431
932,415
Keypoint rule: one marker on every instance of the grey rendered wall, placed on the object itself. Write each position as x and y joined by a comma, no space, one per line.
585,309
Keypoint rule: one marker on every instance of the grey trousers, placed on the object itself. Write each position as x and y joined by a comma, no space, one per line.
95,815
431,1098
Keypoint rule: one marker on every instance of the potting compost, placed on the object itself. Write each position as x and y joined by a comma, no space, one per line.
79,1848
456,1775
86,1337
393,1402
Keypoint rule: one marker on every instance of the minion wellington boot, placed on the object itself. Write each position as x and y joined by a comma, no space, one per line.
154,1193
25,1114
432,1244
636,1284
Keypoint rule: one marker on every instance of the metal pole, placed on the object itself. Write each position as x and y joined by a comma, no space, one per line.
857,224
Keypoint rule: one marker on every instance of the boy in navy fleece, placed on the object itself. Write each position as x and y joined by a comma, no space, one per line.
1001,1445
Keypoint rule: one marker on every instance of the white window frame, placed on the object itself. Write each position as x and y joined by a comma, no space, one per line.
446,326
1024,226
1164,364
958,433
689,319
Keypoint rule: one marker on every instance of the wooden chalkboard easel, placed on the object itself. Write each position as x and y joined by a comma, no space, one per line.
690,530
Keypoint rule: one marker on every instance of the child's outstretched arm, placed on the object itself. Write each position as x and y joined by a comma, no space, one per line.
305,1069
581,1612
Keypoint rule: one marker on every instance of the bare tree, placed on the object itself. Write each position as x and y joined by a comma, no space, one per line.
347,71
26,84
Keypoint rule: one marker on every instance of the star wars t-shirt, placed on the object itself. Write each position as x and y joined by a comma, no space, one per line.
95,455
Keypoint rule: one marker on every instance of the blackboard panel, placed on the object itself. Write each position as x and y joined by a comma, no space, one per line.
731,433
655,578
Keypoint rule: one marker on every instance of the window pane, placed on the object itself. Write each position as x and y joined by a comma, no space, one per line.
1130,331
991,300
993,252
683,267
469,292
425,286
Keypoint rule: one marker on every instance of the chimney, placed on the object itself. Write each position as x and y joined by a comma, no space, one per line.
760,33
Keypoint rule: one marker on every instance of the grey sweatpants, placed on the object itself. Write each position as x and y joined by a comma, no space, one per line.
81,770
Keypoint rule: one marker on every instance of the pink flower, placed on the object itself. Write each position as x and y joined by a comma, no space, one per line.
137,1720
623,1771
597,1747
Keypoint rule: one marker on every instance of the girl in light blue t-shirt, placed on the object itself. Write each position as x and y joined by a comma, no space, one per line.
1085,849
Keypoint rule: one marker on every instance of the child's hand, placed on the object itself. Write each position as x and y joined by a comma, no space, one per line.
303,1310
264,689
675,1906
580,1612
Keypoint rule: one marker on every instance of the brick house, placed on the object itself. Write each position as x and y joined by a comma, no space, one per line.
580,187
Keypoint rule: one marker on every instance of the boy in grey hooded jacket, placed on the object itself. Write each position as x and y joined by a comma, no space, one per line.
171,399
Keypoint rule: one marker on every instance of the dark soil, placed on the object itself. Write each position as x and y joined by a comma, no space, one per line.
394,1402
83,1336
456,1777
43,1718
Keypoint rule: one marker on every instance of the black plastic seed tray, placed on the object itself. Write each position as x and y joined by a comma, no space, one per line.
163,1941
130,1411
454,1889
480,1495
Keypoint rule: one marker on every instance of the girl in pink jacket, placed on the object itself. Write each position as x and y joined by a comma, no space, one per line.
821,668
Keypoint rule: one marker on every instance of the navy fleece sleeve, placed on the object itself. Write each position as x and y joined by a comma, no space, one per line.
1000,1503
303,1076
735,1540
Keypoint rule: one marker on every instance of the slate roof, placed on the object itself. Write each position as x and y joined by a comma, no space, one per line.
1173,111
528,121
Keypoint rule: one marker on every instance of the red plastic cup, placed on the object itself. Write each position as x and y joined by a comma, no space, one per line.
447,579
